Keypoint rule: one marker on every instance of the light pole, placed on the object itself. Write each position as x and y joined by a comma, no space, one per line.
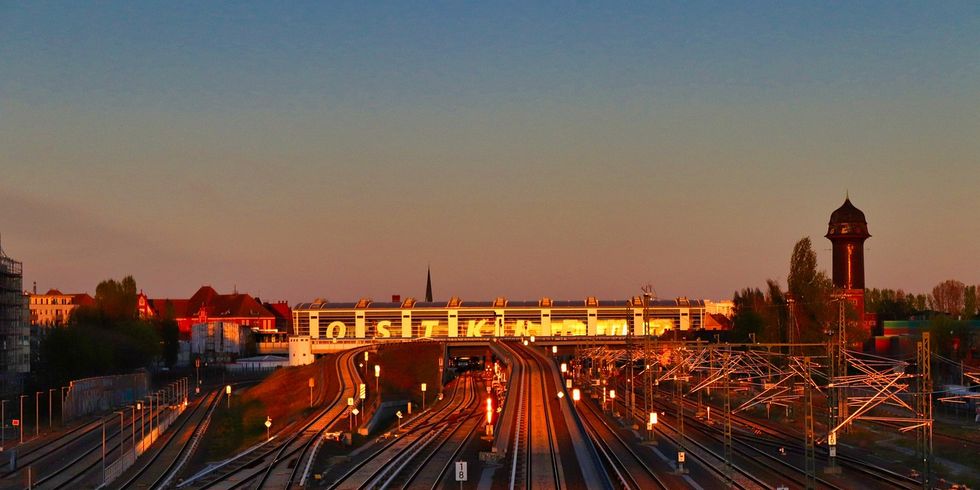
311,383
50,401
228,392
377,381
122,435
197,375
3,423
37,413
103,452
268,425
139,406
133,407
153,401
64,396
21,421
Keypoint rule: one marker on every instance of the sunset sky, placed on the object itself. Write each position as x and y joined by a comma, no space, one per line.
333,150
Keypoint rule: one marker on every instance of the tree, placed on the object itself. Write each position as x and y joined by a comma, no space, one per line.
811,290
105,338
947,297
969,302
889,304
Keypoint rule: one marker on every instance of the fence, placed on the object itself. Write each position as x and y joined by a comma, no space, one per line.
140,442
93,395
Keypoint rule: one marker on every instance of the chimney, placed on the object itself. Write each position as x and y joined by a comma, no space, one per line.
396,298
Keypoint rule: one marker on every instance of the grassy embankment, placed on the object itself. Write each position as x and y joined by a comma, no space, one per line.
283,396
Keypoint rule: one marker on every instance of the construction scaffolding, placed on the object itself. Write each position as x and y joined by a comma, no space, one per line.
15,347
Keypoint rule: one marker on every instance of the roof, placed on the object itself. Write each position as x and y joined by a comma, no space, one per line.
159,306
234,305
54,292
847,213
82,299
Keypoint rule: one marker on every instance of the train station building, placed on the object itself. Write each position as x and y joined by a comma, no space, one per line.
411,319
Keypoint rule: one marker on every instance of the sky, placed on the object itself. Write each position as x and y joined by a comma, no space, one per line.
337,150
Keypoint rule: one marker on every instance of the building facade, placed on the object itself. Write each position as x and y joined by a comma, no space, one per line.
54,308
207,305
219,341
15,330
498,318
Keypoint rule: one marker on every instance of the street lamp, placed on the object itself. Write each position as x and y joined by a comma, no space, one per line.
576,395
122,434
133,408
64,396
50,401
554,349
564,368
311,383
268,424
3,423
103,452
139,406
21,421
228,392
37,413
377,381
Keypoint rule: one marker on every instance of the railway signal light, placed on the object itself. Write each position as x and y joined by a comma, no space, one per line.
554,349
576,394
564,367
268,424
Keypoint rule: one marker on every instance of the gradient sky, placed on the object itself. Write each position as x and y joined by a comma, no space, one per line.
334,149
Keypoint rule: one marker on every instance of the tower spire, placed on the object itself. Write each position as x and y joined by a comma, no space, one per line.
428,284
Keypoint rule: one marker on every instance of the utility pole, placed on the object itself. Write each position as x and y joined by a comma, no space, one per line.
834,415
679,393
924,358
726,385
648,294
810,453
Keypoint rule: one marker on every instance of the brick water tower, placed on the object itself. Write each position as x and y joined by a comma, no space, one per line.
847,231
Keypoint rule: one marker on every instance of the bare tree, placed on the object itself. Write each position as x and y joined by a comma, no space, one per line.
947,297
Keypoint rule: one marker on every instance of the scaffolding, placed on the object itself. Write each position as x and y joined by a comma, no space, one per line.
14,327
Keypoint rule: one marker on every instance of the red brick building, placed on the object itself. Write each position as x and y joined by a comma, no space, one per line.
207,305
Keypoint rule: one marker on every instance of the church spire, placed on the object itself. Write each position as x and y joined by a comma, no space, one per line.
428,284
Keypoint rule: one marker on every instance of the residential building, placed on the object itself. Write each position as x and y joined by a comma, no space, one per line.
205,306
54,308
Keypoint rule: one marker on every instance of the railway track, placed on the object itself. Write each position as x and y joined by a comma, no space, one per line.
73,460
545,431
400,461
276,463
162,467
629,468
788,466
